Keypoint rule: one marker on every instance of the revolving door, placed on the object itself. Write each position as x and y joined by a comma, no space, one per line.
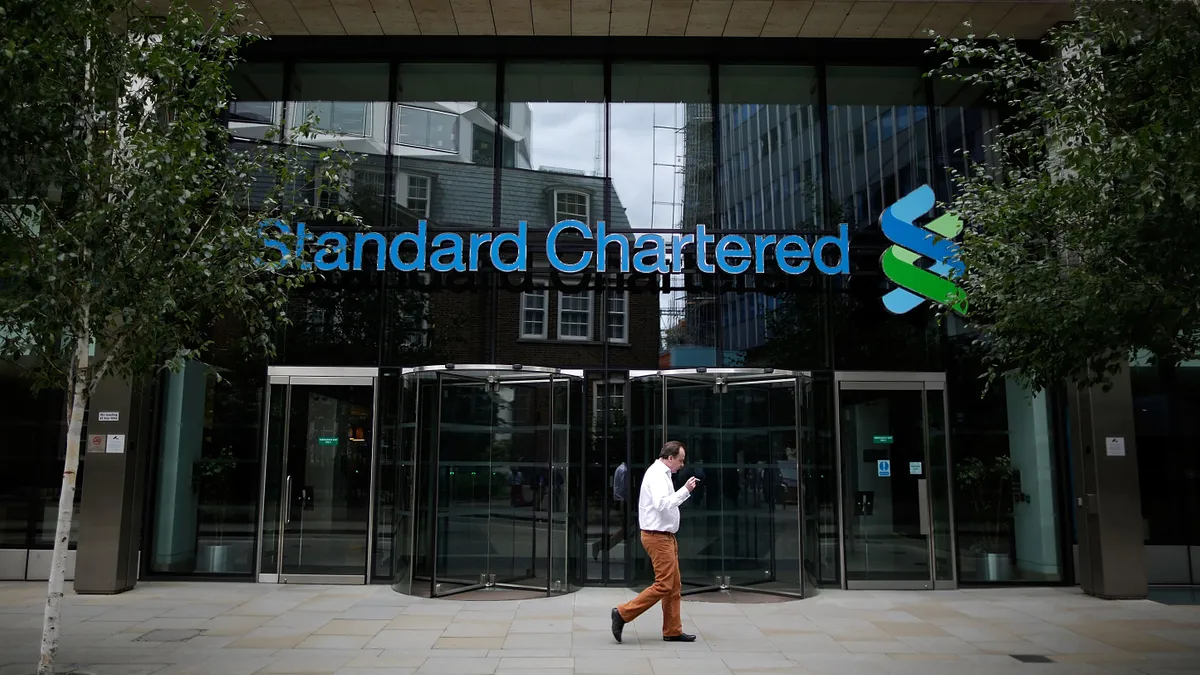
751,523
494,454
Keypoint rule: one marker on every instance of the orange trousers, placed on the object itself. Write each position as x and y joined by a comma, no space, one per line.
663,550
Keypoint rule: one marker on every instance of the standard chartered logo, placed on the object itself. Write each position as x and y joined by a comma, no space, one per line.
910,244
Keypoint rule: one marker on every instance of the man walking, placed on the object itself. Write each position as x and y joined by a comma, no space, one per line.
658,516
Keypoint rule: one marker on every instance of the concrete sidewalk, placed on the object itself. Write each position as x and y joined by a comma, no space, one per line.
248,629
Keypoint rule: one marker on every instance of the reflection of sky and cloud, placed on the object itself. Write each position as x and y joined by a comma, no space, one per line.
564,136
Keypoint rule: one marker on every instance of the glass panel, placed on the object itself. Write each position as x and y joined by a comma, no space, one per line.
390,491
427,412
337,319
821,458
661,144
32,447
257,107
273,472
329,471
761,521
564,539
519,531
883,450
404,484
707,519
769,179
626,560
467,434
1005,475
807,488
879,152
938,476
208,471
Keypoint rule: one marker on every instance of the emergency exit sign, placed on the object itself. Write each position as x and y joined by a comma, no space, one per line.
883,439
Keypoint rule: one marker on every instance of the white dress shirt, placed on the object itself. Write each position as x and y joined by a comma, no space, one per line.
658,502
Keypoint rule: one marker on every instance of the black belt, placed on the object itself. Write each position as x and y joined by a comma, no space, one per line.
670,534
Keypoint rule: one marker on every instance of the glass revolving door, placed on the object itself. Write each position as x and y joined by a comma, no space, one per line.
495,453
742,427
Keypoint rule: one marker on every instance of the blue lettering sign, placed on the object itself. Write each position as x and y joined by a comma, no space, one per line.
648,253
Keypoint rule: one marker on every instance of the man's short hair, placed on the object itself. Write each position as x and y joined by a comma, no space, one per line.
670,449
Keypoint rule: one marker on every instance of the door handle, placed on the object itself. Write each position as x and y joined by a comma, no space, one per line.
923,497
288,500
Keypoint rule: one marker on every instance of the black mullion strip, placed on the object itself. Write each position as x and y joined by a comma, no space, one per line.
606,570
501,66
714,79
827,209
389,195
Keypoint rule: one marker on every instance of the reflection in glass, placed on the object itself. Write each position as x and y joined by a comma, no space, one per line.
336,319
886,526
938,486
208,472
32,447
965,120
662,166
1167,421
819,457
879,151
1005,473
500,447
327,480
769,177
741,526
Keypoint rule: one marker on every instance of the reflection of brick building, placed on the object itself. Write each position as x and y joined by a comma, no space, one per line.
538,327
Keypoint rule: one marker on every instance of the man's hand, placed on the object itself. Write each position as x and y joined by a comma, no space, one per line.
691,484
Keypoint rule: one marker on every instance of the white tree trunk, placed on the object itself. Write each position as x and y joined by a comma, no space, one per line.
51,620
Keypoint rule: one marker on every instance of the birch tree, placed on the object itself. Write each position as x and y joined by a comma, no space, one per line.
129,224
1082,248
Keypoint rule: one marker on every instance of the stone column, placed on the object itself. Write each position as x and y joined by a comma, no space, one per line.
110,508
1108,507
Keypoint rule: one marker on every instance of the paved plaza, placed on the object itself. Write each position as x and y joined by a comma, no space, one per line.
250,629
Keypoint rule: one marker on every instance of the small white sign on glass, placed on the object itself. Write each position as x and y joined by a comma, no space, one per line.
1115,446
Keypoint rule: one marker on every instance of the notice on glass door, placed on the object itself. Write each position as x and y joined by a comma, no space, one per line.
914,468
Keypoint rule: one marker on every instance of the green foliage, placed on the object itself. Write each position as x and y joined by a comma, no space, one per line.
126,215
1082,246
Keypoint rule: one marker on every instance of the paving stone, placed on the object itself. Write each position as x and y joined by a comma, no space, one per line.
251,629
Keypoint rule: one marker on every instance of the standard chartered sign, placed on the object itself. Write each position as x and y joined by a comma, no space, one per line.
647,253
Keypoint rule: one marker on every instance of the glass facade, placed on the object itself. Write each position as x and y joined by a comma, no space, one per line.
838,444
1165,405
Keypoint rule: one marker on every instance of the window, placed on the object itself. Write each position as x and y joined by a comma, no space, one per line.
533,314
617,317
611,396
414,193
424,128
349,118
571,206
575,316
262,112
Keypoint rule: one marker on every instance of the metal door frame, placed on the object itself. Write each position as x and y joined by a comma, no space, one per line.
305,375
921,382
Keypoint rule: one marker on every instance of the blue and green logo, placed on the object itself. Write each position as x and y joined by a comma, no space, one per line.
912,243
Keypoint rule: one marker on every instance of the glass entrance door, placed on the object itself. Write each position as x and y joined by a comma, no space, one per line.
895,484
741,528
318,476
